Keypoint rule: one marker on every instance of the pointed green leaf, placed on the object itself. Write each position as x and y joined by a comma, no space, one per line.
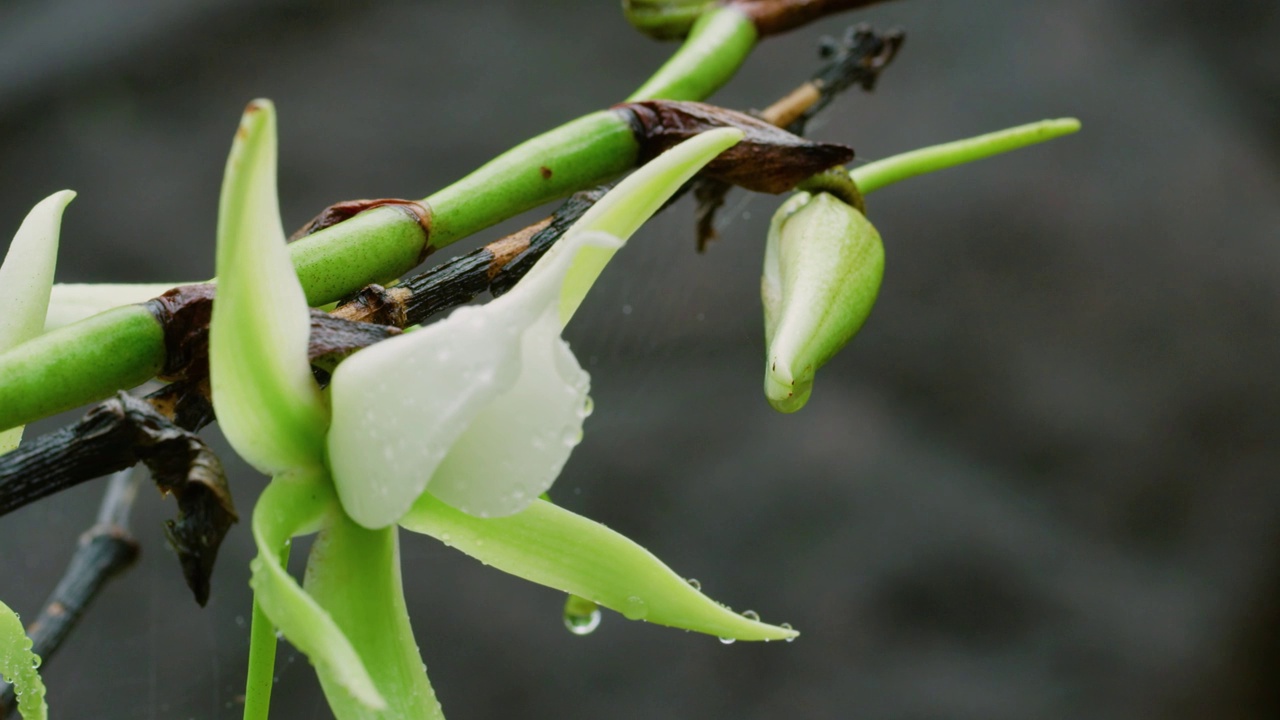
354,574
626,207
296,504
266,399
18,666
557,548
26,275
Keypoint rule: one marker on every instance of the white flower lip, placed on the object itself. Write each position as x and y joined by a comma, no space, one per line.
486,405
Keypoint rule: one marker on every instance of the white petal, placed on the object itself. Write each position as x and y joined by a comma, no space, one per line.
27,273
74,302
399,407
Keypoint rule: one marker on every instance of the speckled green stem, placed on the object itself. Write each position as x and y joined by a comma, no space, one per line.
79,363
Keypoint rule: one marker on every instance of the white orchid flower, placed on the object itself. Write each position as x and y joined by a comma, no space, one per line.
26,277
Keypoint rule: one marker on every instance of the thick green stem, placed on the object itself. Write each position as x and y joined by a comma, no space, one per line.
876,175
79,363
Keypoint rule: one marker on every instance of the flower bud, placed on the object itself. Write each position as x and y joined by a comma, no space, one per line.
664,19
822,269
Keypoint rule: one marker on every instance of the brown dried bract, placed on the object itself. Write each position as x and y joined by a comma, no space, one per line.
767,160
184,314
347,209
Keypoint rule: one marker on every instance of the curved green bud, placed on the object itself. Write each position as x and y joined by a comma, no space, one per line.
18,666
822,270
665,19
354,574
26,276
297,504
266,399
551,546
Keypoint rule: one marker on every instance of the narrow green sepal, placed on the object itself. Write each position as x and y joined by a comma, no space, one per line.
665,19
354,574
267,401
297,504
554,547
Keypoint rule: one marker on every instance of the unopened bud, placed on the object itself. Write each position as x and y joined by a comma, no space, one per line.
822,269
664,19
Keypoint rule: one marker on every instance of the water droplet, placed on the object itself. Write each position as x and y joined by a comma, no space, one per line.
588,406
445,538
693,583
727,641
581,616
787,626
279,635
635,608
626,309
751,615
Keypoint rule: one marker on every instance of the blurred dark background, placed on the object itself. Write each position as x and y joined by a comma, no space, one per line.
1039,484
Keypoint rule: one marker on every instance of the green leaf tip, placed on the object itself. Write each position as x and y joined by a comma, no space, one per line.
554,547
18,666
879,174
26,279
266,399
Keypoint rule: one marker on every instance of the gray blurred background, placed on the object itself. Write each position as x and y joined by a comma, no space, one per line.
1039,484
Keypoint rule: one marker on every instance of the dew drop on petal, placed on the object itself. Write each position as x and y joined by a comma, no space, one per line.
635,608
751,615
727,641
581,616
787,626
693,583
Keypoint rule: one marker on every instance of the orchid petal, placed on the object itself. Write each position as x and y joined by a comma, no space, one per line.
266,399
552,546
626,207
354,574
26,276
296,504
492,420
18,666
72,302
486,405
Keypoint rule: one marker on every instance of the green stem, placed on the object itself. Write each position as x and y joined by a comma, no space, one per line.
80,363
716,47
85,362
262,662
881,173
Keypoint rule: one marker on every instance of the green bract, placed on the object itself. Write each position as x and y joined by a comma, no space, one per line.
481,410
18,666
665,19
822,269
26,276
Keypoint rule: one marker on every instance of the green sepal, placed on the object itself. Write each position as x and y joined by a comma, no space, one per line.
298,504
18,666
268,403
354,574
554,547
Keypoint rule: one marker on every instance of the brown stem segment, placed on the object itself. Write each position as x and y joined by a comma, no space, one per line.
772,17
